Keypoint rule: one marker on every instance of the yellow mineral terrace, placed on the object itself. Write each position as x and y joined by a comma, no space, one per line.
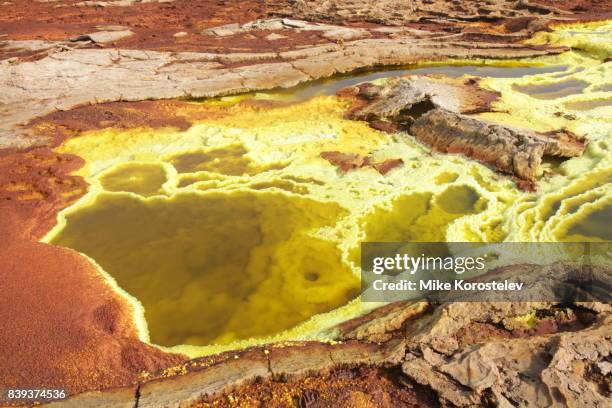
236,231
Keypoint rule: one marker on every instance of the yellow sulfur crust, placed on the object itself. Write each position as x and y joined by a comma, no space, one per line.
235,231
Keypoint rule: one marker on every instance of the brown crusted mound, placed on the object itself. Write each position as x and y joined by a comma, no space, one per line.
512,151
352,161
417,94
363,387
123,115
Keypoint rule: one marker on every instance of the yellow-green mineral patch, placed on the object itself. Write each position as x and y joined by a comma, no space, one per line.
219,266
236,231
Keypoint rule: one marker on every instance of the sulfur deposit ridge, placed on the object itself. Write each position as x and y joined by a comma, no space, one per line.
145,190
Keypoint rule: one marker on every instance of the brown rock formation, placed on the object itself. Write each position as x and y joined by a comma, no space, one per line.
352,161
402,99
512,151
509,372
431,110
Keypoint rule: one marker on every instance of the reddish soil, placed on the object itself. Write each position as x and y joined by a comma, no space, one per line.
154,24
61,20
62,326
355,388
34,185
178,114
171,113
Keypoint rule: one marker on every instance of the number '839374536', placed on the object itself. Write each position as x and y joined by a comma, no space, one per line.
35,394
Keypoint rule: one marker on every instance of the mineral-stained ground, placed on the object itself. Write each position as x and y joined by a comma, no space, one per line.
184,186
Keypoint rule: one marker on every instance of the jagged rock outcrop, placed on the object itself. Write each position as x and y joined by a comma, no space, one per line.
432,110
330,32
512,151
557,369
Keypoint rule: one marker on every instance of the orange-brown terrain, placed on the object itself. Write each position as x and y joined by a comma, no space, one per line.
70,66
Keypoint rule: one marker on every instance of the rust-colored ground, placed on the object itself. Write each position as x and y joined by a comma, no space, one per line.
155,24
60,20
355,388
123,115
62,326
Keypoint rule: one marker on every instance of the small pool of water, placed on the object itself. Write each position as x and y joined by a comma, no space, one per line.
595,225
218,267
145,179
332,85
553,91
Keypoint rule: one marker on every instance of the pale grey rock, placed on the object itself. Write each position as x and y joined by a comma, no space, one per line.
224,30
63,80
102,37
345,34
275,36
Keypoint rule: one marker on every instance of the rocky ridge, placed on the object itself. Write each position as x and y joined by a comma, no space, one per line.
433,111
499,353
67,78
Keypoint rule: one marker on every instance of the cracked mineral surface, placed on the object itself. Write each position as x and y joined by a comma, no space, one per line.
183,199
